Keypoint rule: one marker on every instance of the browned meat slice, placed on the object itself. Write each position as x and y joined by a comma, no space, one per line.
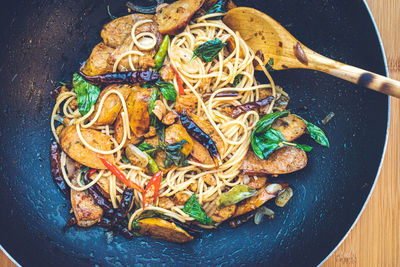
186,103
256,183
161,229
180,198
97,62
210,179
220,215
285,160
291,127
139,119
71,144
266,193
119,133
86,211
118,30
170,118
173,18
176,133
167,73
199,152
159,109
112,104
165,203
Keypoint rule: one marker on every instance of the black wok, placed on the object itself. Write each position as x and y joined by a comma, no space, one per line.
43,42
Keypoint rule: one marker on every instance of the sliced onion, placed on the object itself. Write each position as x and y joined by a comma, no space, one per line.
58,118
136,156
261,212
283,197
274,188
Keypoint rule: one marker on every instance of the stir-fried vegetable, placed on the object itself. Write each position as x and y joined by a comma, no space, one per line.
193,208
261,211
149,151
209,50
284,196
265,140
179,80
162,52
167,89
119,174
239,110
237,80
200,136
129,77
153,97
86,93
151,190
235,195
136,156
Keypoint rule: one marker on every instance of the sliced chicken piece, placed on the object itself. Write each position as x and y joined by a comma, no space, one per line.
176,133
167,73
139,119
266,193
162,229
256,183
170,118
285,160
86,211
72,145
199,152
159,109
119,133
291,127
186,103
112,104
223,214
173,18
180,198
97,63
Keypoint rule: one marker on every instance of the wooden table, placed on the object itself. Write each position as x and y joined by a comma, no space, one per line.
375,239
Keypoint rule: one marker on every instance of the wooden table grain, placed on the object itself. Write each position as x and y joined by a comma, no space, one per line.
375,239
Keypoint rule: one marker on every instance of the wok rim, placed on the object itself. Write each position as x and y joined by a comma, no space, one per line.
383,54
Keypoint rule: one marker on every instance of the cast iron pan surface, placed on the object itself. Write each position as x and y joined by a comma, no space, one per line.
43,42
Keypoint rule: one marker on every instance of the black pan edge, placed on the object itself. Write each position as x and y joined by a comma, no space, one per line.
386,139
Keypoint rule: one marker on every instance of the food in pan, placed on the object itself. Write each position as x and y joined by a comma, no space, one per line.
164,131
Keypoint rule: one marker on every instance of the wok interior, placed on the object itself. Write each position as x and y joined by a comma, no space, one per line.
45,42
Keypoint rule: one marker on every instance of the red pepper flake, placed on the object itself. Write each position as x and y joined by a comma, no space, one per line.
280,44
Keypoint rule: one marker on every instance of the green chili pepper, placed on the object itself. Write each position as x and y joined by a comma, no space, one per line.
162,52
152,164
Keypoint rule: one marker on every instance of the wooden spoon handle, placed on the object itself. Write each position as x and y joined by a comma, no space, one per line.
355,75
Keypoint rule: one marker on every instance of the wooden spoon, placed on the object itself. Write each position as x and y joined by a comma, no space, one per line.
282,51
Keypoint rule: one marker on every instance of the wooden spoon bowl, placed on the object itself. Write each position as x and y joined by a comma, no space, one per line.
283,51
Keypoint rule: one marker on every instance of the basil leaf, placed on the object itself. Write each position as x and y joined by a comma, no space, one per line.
235,195
265,122
237,80
306,148
174,155
193,208
219,7
151,214
153,97
160,127
266,143
167,90
145,147
209,50
86,93
317,134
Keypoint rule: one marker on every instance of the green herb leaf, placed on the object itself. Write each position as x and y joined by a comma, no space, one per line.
86,93
306,148
167,90
269,65
151,214
145,147
237,80
209,50
266,143
160,127
235,195
266,122
193,208
153,97
317,134
174,155
219,7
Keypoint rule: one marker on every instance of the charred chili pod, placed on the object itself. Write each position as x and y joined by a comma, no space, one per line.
239,110
242,219
207,96
55,162
98,197
190,229
108,224
124,206
200,136
129,77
